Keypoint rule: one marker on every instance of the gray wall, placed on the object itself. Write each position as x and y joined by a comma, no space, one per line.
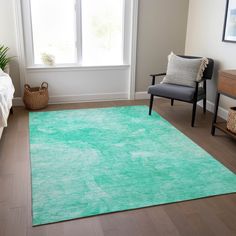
204,37
162,29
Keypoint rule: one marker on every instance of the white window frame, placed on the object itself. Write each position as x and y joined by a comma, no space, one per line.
130,47
28,36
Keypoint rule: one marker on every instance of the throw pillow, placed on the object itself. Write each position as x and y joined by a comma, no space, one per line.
184,71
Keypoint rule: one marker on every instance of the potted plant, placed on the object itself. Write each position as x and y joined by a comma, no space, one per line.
4,59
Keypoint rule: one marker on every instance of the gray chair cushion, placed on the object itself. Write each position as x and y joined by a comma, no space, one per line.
174,91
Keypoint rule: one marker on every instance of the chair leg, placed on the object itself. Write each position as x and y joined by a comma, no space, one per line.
172,102
151,104
204,105
194,113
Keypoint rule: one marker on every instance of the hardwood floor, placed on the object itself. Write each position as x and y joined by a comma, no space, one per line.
209,216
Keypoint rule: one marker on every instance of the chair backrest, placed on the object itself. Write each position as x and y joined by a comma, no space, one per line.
208,72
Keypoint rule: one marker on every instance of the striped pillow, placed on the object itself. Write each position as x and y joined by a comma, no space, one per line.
184,71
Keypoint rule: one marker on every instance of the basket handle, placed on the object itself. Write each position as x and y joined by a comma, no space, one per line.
44,85
27,87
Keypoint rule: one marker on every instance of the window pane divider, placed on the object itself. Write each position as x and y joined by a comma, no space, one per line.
79,31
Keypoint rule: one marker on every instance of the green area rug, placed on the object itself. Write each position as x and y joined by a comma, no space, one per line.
94,161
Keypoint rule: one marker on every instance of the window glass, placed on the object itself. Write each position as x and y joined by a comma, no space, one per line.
102,32
53,28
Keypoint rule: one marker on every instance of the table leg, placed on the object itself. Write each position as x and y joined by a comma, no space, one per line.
215,113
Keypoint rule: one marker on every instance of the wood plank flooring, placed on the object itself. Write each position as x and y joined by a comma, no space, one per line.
209,216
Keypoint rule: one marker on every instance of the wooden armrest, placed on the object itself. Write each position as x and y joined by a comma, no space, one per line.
154,77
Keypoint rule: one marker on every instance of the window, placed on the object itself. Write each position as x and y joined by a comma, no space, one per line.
102,26
53,29
84,32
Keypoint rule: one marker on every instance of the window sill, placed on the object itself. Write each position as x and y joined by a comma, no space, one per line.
57,68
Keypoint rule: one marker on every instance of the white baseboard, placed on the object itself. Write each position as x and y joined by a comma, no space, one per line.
223,113
141,95
79,98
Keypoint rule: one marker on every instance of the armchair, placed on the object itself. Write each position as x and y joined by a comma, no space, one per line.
180,92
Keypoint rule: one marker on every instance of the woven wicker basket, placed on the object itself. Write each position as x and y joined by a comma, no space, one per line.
36,97
231,122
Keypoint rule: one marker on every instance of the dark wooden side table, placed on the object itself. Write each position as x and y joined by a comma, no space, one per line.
227,87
